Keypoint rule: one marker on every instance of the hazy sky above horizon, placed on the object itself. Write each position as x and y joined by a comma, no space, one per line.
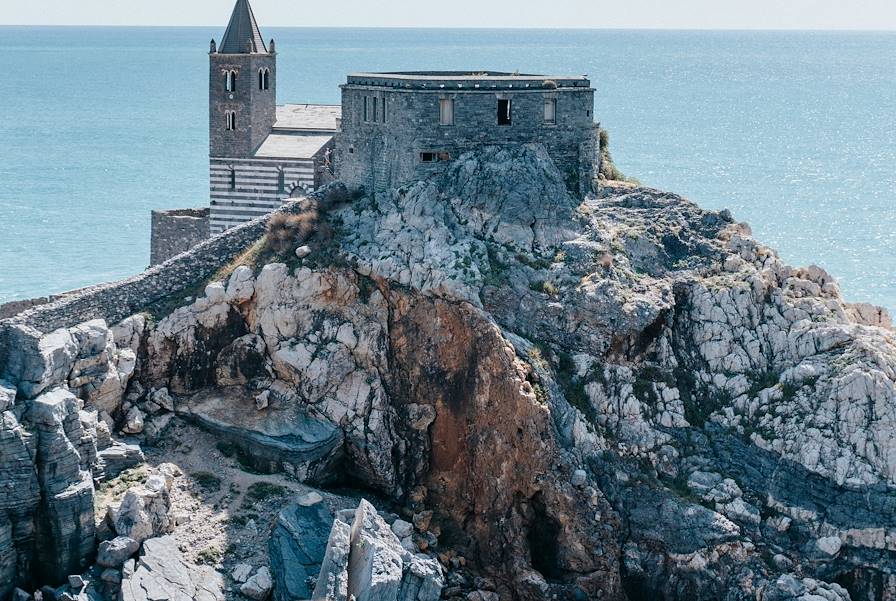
668,14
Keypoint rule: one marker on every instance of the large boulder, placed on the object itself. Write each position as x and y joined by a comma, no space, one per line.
163,573
145,510
297,547
113,553
371,565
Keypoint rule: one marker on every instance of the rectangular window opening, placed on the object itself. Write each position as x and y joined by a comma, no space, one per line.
233,179
446,111
375,111
434,157
366,113
550,111
504,111
384,111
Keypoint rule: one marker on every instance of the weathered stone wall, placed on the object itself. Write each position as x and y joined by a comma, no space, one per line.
115,301
381,155
255,109
176,231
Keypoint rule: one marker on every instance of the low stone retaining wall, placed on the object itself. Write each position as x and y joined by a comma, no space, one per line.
118,300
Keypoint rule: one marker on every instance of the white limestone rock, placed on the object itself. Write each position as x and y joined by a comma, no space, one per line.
145,510
163,573
241,285
367,562
134,421
258,586
241,572
829,545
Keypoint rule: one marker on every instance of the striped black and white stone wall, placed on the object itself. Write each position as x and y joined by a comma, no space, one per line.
243,189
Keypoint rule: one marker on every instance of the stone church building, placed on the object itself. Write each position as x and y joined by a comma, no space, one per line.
390,129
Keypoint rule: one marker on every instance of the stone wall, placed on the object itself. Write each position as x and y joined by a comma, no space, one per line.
255,109
177,231
379,155
256,187
118,300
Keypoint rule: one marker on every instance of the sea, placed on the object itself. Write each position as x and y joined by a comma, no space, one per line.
794,132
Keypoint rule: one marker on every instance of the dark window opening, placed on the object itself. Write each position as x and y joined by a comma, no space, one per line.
281,181
233,179
366,114
434,157
505,112
384,110
375,111
261,79
230,81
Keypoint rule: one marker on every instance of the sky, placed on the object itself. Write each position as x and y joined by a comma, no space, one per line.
648,14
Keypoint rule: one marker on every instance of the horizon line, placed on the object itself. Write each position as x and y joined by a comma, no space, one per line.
471,27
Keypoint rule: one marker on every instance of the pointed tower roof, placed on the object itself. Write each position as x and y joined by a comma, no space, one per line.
243,35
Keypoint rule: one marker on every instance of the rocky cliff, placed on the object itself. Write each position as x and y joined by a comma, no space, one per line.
624,397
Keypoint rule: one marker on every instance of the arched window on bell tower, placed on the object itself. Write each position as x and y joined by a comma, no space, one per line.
264,79
230,120
230,81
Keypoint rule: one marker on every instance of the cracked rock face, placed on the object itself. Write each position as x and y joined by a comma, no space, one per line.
625,397
163,573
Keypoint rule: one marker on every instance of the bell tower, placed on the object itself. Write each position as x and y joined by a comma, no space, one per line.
242,87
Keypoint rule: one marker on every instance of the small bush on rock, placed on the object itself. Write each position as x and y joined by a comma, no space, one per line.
207,482
286,232
261,491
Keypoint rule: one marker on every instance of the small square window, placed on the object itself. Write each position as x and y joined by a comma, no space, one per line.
428,157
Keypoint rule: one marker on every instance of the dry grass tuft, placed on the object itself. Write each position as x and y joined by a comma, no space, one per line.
286,232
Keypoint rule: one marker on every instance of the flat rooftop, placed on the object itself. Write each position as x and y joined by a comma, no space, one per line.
292,145
467,80
308,117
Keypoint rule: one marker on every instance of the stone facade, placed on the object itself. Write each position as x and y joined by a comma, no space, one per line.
248,188
259,154
403,126
255,108
176,231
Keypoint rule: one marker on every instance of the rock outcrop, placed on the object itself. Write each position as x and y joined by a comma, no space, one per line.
163,573
365,561
623,397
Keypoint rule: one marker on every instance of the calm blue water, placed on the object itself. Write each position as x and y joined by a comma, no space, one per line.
794,132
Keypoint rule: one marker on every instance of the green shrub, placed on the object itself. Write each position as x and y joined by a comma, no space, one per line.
207,482
262,491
